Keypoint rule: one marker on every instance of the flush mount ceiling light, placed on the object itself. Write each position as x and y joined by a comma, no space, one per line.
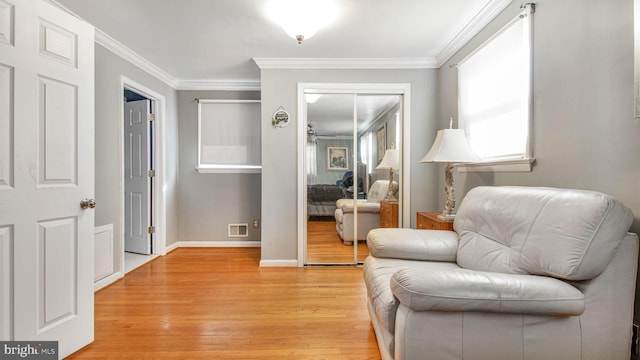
301,19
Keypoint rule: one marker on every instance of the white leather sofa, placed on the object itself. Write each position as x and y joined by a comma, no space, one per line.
368,212
529,273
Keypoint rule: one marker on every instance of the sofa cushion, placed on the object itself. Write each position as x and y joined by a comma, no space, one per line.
377,278
413,244
364,206
462,290
568,234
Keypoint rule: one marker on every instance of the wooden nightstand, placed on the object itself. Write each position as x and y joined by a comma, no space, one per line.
429,220
388,214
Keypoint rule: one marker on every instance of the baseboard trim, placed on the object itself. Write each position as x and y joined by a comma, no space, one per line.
278,263
106,281
213,244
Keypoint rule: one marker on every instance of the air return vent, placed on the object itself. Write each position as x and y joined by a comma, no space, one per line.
238,230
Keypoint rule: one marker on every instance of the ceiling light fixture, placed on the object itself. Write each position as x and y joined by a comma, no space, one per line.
301,19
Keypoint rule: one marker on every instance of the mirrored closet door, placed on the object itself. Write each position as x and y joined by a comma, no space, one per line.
347,174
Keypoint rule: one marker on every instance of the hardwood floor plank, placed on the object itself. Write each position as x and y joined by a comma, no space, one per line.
324,245
217,303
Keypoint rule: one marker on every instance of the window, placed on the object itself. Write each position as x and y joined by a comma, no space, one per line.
366,150
229,136
494,94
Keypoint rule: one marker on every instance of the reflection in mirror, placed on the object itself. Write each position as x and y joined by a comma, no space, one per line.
335,158
329,165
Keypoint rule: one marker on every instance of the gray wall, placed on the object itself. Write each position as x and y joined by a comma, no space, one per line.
330,176
584,132
109,192
279,147
207,203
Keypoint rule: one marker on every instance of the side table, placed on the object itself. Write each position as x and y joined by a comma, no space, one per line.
388,214
429,220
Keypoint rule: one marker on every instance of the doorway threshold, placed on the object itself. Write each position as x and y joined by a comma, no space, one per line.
133,261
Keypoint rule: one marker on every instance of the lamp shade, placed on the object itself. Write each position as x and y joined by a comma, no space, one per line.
391,160
451,147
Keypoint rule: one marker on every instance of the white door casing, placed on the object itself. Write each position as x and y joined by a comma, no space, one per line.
46,169
136,183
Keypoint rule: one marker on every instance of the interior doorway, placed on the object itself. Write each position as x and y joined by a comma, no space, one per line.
142,210
138,173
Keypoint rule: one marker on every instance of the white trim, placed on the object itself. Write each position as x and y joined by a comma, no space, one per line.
220,169
518,165
127,54
238,244
159,153
345,63
278,263
106,281
226,101
488,13
230,85
351,88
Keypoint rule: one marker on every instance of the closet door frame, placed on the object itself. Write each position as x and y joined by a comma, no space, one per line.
402,89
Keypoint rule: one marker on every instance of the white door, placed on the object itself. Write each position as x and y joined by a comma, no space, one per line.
46,169
136,180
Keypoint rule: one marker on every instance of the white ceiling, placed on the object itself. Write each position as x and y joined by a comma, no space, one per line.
217,40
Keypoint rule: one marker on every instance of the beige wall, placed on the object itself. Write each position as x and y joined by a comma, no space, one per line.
208,202
279,147
109,96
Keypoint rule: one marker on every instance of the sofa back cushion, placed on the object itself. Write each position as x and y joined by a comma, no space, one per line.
379,190
568,234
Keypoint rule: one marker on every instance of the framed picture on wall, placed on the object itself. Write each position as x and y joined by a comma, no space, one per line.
337,158
381,142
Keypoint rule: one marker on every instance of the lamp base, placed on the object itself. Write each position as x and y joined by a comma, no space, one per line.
447,216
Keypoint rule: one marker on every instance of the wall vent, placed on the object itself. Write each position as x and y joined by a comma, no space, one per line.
238,230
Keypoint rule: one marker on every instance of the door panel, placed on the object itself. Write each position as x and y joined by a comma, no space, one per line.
46,169
331,117
56,281
58,124
6,126
7,14
6,275
136,182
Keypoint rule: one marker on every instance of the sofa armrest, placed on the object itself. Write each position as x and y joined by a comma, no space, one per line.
468,290
363,206
413,244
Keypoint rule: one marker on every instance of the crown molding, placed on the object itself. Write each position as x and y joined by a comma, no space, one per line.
345,63
124,52
230,85
488,13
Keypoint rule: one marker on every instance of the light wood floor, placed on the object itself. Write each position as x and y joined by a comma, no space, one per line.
324,245
217,303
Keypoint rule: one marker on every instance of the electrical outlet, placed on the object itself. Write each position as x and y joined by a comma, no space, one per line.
635,348
256,223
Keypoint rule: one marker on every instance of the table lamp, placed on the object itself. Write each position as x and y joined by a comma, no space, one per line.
391,161
450,147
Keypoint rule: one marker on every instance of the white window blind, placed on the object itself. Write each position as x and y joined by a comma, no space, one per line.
494,89
229,135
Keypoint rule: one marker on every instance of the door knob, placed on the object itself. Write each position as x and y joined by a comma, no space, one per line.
87,203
